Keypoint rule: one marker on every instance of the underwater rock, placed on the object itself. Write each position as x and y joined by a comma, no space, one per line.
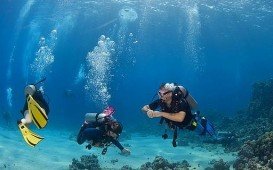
256,154
261,101
126,167
8,166
113,161
226,139
219,165
160,163
87,162
253,122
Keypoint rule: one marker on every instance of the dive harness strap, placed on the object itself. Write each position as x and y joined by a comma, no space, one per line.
191,126
187,93
175,137
97,115
104,150
165,135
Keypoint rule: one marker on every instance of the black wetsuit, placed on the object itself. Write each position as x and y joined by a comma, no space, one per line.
97,133
39,98
175,107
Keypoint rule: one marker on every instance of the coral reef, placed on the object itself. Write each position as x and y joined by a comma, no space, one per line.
87,162
160,163
113,161
256,120
262,97
256,154
90,162
126,167
219,165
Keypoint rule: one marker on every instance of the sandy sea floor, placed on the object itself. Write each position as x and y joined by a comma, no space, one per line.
56,151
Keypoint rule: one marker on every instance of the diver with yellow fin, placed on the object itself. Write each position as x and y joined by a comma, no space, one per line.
35,110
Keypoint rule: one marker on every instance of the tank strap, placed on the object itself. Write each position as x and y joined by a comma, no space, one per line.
97,115
187,93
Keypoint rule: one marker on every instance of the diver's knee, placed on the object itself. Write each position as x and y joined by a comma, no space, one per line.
80,140
26,121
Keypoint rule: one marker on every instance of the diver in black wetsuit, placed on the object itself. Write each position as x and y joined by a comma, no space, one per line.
176,106
38,97
101,132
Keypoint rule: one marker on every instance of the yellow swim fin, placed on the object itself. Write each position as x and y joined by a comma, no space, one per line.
31,138
37,113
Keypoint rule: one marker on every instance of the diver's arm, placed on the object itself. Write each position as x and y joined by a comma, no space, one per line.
116,142
124,151
177,117
152,106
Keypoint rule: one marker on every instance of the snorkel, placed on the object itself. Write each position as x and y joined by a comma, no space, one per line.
108,111
40,81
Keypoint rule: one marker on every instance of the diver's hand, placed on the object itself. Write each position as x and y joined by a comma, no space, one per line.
152,114
125,152
88,146
41,89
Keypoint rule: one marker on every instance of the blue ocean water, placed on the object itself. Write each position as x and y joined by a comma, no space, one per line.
115,52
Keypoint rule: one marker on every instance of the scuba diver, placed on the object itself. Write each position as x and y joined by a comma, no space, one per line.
101,130
35,110
176,105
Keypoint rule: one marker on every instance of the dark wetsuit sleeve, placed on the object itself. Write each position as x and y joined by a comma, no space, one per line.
116,142
155,104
